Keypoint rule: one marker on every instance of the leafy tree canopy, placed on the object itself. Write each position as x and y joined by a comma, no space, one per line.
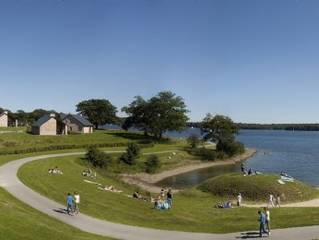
218,128
98,111
163,112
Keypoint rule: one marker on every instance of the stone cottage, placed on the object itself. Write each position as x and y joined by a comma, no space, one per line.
46,125
4,119
76,123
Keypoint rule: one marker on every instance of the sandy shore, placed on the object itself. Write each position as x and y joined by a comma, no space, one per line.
147,181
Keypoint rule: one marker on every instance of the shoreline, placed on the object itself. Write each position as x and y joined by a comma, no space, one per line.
147,181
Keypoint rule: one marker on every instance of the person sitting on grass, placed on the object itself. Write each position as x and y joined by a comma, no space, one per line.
57,170
160,203
162,193
50,171
224,205
137,195
110,189
88,173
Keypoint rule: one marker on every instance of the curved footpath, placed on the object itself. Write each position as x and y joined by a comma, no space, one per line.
10,182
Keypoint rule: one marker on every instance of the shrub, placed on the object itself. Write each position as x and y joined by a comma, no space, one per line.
152,164
17,150
9,144
193,140
131,154
204,153
230,147
97,158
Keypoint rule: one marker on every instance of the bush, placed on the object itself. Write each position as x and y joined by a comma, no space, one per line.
152,164
131,154
17,150
230,147
193,140
204,153
97,158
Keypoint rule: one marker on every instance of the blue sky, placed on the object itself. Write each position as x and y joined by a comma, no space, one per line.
256,61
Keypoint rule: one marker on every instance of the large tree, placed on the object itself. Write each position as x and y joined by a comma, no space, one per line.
163,112
166,112
218,128
98,111
136,115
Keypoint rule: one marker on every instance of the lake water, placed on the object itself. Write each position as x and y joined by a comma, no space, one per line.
296,153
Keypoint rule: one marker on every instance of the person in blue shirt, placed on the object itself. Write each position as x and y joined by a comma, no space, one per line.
69,203
262,223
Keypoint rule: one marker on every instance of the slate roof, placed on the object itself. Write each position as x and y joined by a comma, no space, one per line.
79,118
42,120
85,122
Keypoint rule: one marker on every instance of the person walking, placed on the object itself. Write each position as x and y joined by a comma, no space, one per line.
262,223
267,213
69,203
169,197
239,199
271,201
278,201
76,202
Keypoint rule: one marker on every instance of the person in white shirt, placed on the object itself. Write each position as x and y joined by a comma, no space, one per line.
239,199
267,213
271,200
76,202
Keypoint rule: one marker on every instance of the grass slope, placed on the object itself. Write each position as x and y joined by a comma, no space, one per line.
193,210
18,221
258,187
17,141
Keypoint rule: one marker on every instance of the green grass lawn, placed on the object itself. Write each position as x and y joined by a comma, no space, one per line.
12,141
258,187
19,221
193,210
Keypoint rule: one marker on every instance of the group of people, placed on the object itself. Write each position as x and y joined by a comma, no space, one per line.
109,189
55,170
161,202
73,203
88,173
249,171
226,204
264,222
274,201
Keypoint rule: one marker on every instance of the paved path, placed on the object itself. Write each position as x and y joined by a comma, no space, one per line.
10,182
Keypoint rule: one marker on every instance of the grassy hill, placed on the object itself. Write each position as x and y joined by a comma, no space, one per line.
18,221
257,187
22,142
193,210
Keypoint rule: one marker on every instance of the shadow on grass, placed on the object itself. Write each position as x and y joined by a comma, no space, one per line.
140,137
130,135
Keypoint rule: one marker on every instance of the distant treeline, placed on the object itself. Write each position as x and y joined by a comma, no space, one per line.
285,126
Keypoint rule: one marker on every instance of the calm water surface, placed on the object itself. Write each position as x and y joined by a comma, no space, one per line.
294,152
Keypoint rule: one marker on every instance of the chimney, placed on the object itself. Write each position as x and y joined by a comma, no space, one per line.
52,115
5,112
